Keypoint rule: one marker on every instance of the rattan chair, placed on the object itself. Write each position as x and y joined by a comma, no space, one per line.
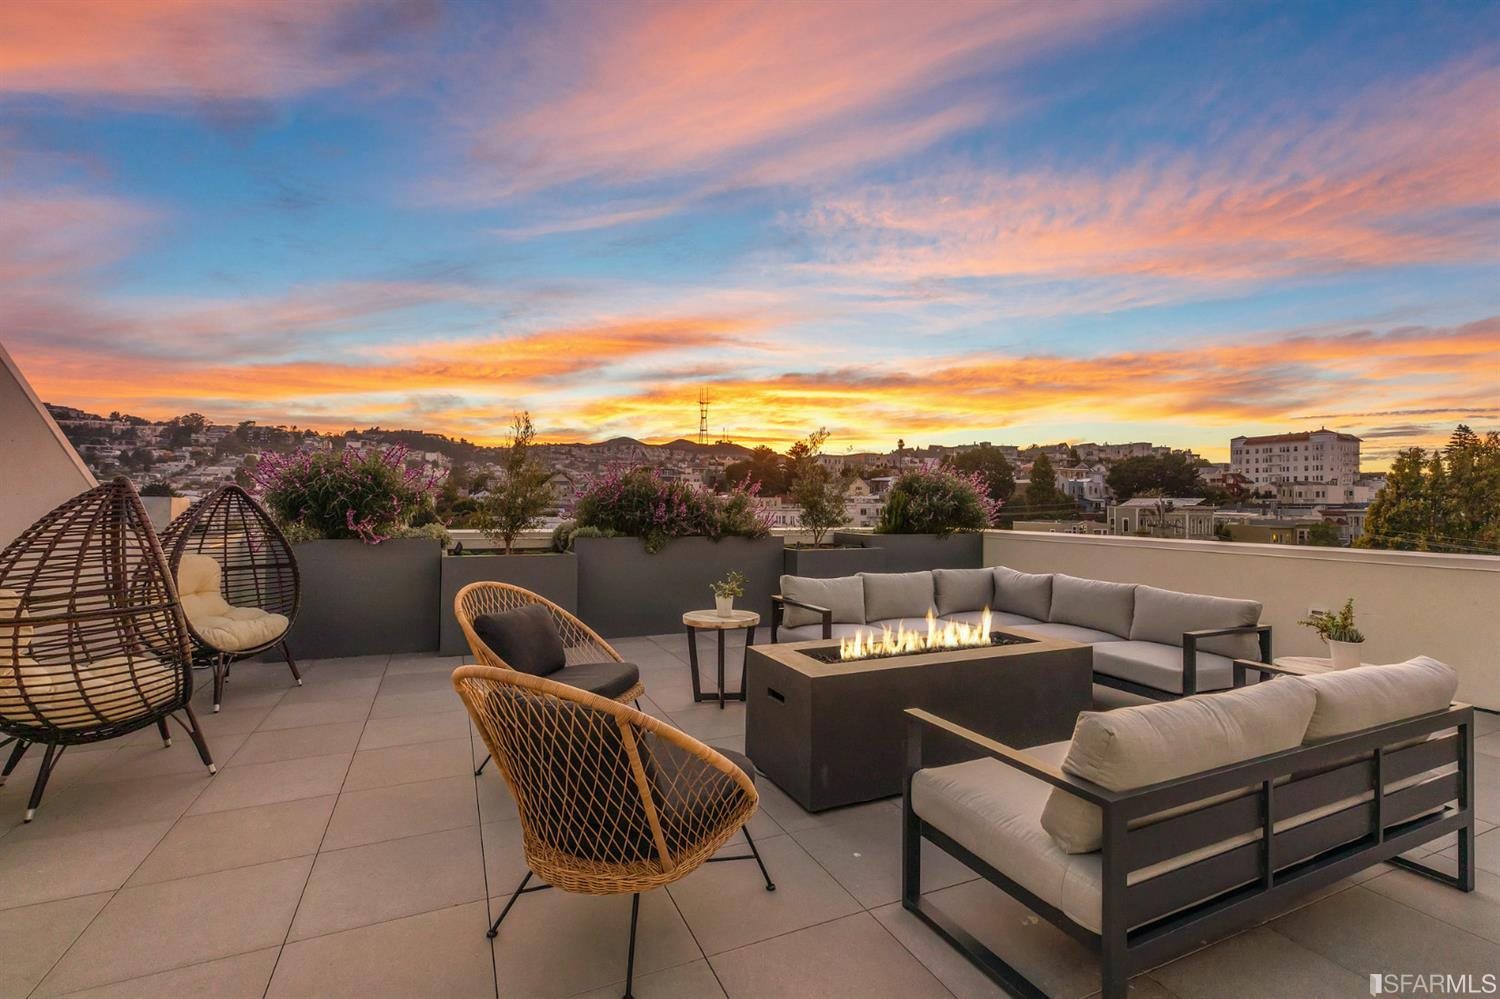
610,799
93,644
581,644
257,580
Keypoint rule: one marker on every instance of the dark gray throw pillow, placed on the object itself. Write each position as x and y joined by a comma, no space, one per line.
526,638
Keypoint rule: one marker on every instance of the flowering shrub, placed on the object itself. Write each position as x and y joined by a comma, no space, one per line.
640,503
937,501
325,495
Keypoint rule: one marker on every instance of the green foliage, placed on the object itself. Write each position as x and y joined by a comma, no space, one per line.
521,496
327,495
763,466
1337,626
732,585
562,536
1173,474
1324,534
1448,501
936,501
818,492
990,462
641,504
158,489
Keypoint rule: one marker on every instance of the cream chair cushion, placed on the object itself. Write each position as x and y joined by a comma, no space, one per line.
1366,696
111,689
15,637
213,619
1138,746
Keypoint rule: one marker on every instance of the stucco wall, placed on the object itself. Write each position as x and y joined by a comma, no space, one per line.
38,467
1408,603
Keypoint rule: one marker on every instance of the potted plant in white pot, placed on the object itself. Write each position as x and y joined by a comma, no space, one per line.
1340,634
725,590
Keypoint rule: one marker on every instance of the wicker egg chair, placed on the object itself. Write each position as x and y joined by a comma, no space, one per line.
581,644
238,580
611,800
93,644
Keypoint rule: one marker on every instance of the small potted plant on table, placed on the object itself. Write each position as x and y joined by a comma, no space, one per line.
1340,634
725,590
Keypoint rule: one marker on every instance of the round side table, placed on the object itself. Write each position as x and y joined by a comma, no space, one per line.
710,619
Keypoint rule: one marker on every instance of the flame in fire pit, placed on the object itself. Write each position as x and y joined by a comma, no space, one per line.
939,635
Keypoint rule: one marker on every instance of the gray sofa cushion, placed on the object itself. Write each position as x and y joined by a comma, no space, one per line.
895,624
810,632
844,595
1366,696
1025,593
1092,603
1163,615
1160,666
897,594
998,619
963,589
1067,632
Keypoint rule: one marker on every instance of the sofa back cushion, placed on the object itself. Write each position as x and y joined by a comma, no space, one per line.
897,594
1026,593
1352,699
963,590
844,595
1137,746
1092,603
1163,615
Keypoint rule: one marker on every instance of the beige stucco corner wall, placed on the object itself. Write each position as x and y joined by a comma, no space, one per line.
1408,603
38,467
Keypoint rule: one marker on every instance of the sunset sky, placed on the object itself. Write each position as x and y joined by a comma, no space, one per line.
945,222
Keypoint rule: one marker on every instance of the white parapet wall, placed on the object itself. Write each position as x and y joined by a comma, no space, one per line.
38,467
1408,603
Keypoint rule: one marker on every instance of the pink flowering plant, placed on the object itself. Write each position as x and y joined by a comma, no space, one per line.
937,500
373,497
640,503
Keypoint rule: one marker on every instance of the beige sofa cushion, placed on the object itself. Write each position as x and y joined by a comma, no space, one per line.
1028,594
844,595
213,619
960,590
1352,699
1160,666
1092,603
891,595
1138,746
1163,615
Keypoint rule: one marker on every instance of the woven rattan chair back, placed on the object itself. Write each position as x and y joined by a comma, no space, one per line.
580,642
257,567
611,800
93,643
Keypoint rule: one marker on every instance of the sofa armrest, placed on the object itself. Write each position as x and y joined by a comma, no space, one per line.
1244,667
917,721
779,605
1190,641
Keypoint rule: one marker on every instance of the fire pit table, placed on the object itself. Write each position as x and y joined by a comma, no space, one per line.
831,732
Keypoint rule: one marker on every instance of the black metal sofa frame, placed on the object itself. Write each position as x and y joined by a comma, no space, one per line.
1146,924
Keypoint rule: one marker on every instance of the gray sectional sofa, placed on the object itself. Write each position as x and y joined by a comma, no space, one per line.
1149,641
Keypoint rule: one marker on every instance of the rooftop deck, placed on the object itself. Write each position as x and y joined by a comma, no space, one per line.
345,848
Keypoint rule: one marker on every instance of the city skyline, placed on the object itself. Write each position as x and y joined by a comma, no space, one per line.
949,223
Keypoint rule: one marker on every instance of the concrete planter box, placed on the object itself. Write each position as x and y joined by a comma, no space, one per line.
826,563
552,575
916,552
624,591
360,599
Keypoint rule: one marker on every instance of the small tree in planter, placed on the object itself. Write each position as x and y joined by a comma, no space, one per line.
937,501
373,497
523,493
818,492
1339,632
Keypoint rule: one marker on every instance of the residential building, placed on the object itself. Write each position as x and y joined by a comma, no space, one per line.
1163,516
1323,457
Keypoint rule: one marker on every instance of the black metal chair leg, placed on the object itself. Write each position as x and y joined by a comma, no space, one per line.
521,889
195,732
635,912
770,885
16,752
480,769
49,761
166,734
221,672
291,663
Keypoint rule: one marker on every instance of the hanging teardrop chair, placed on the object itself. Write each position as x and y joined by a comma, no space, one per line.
238,580
93,644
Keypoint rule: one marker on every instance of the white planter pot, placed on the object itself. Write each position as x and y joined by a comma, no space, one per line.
725,606
1345,655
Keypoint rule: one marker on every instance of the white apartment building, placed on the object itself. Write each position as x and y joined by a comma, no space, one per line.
1322,456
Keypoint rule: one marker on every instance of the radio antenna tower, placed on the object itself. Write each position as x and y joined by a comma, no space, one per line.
703,415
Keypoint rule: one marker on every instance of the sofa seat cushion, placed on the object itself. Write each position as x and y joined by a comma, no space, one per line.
844,595
240,628
1158,666
1366,696
111,689
1138,746
812,632
957,590
897,594
607,679
998,619
1068,633
1025,593
1163,615
895,624
1092,603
